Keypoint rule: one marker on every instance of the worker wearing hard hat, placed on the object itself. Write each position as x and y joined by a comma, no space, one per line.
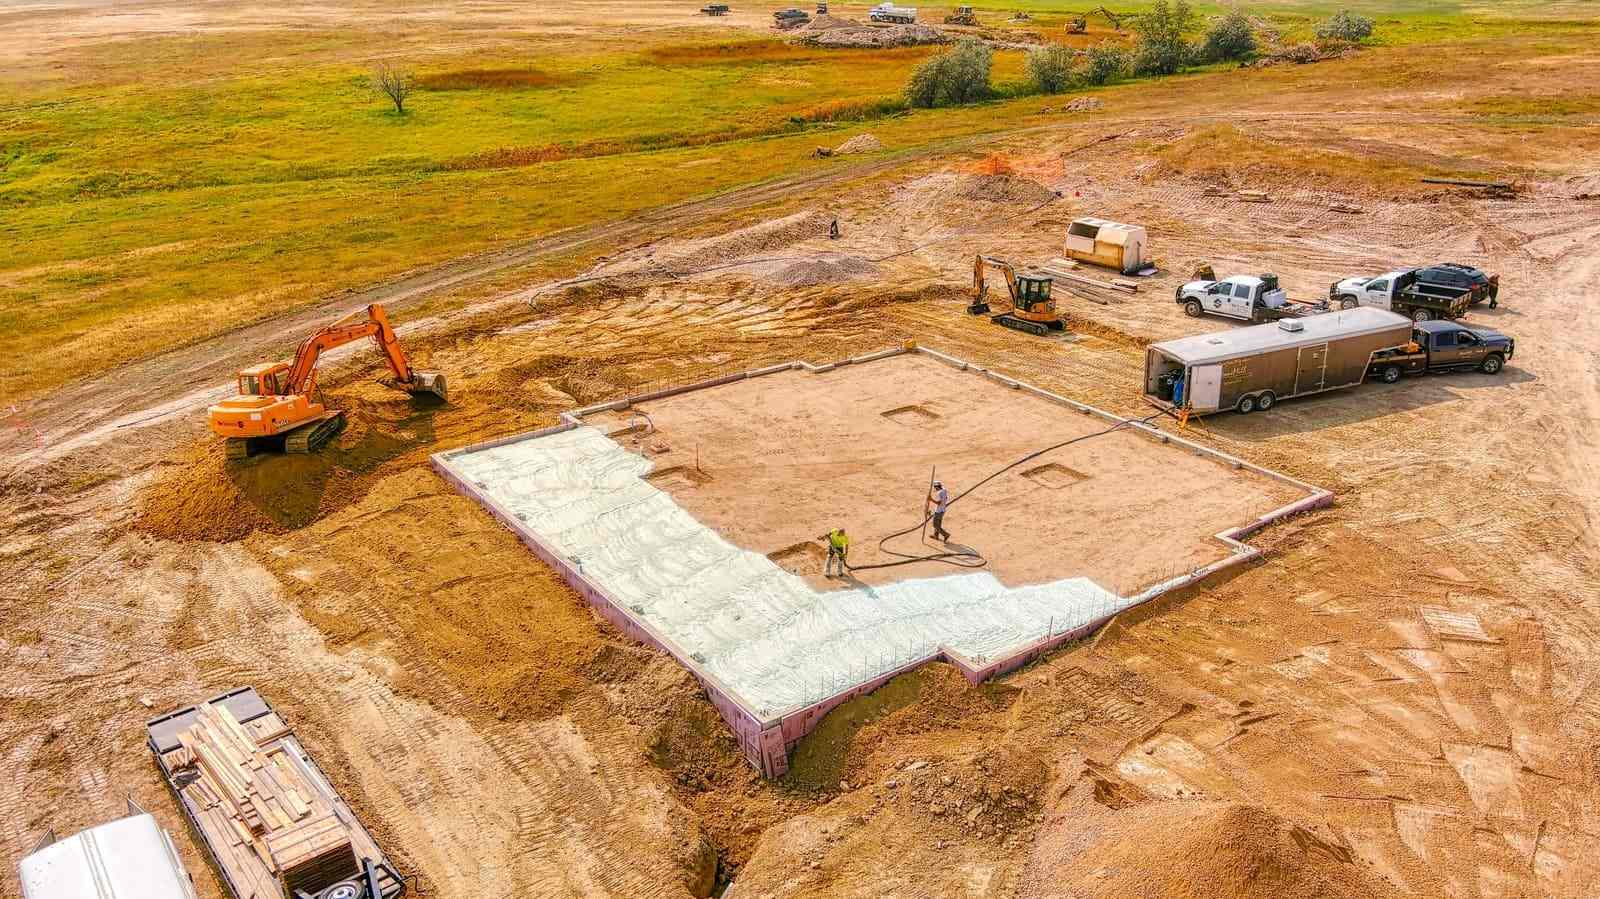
938,501
838,550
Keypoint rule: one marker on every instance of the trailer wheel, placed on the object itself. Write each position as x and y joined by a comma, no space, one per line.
1266,400
1193,309
1421,315
1246,404
1348,303
1492,364
1391,374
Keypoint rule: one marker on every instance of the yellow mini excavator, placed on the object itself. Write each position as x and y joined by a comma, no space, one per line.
276,408
1032,308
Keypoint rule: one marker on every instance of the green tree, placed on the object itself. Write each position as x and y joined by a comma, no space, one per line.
1162,48
1104,64
1230,37
1050,68
956,76
1345,25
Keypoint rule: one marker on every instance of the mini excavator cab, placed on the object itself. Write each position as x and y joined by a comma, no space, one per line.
1033,290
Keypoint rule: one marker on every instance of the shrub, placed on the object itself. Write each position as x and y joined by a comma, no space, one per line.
1231,37
1161,49
1104,64
1345,25
1050,68
956,76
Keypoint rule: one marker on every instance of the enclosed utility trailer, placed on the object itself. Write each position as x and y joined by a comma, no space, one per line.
1111,244
1252,368
130,858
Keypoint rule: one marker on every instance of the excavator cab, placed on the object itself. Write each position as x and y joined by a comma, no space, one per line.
1034,292
262,380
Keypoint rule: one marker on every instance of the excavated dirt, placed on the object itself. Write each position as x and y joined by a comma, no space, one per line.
861,143
874,36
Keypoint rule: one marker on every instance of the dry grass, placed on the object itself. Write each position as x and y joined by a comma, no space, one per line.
850,110
491,79
1224,153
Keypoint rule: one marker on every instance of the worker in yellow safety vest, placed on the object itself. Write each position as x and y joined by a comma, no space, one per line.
838,549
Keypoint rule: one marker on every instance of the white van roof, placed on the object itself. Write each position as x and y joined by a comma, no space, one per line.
130,858
1221,346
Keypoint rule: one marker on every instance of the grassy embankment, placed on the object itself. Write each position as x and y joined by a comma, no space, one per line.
164,190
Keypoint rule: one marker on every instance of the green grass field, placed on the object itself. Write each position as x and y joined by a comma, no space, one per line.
164,189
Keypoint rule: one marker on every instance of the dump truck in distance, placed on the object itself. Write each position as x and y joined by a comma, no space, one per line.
266,813
888,12
1403,292
1244,297
1252,368
1444,346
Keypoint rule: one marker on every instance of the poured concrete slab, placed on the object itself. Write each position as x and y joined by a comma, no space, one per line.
692,520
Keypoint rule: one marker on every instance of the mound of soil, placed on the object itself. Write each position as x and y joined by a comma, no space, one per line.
828,269
872,36
1225,849
861,143
827,22
1005,189
1582,187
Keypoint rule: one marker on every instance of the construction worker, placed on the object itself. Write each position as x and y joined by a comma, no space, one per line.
938,501
838,548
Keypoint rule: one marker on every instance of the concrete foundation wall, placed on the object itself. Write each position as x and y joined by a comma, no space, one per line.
766,741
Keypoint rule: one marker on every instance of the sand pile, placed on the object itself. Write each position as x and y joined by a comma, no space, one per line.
948,193
1582,187
826,22
861,143
765,237
872,36
1084,104
1005,189
1225,849
827,269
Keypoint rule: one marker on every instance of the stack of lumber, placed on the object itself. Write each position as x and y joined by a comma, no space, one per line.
263,798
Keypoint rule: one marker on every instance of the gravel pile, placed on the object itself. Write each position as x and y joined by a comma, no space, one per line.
861,143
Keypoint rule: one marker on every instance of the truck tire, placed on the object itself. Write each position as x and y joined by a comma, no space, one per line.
1193,309
1492,364
1246,404
1266,400
1348,302
1421,315
1390,374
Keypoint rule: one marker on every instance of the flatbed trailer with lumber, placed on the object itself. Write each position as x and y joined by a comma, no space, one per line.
271,821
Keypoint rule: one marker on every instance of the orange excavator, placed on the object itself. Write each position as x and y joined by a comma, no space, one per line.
275,410
1032,310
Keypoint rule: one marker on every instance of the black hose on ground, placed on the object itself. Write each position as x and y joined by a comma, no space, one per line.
970,558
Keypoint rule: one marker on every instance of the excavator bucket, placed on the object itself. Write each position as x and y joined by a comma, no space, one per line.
428,382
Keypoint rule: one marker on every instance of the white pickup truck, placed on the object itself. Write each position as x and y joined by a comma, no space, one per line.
1244,297
888,12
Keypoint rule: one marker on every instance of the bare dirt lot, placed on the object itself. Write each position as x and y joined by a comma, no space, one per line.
1401,699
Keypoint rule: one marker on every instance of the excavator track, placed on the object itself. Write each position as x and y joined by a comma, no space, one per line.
238,448
313,435
1019,324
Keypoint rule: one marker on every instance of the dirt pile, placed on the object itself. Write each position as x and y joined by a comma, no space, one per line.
1227,849
1582,187
946,195
1084,104
861,143
826,22
871,36
828,269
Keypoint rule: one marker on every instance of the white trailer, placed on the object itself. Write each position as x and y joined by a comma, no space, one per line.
130,858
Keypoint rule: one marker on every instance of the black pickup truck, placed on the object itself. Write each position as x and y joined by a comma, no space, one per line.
1443,346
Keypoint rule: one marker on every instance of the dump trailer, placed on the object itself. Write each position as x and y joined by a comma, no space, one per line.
129,858
267,814
1252,368
1107,243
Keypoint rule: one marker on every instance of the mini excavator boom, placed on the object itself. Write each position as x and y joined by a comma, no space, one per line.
275,408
